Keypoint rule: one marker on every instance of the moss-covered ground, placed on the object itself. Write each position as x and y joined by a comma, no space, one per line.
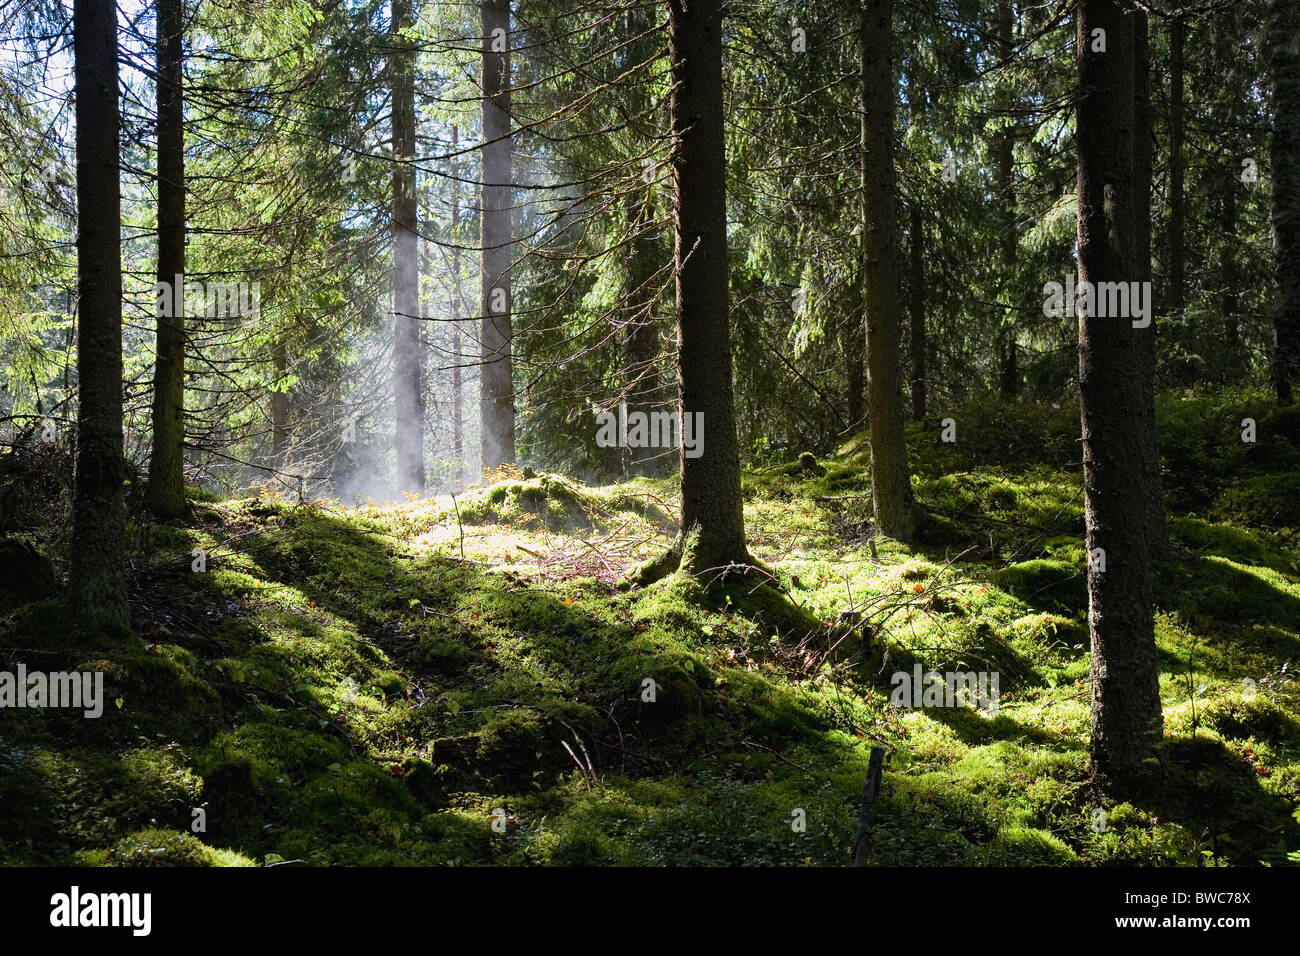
470,682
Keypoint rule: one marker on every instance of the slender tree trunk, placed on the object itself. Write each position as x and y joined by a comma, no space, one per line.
1143,150
408,372
890,482
496,377
713,520
165,491
1126,716
280,402
457,312
1177,170
1008,359
917,309
1284,67
97,584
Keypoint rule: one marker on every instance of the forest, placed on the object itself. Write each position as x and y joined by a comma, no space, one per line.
649,434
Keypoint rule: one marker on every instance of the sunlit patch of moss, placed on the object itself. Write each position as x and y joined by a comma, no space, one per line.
163,848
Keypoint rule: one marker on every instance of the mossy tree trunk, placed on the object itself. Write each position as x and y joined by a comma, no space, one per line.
165,491
713,522
1126,716
97,584
891,488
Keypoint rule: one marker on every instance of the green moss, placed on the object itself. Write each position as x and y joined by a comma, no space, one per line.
154,847
1264,501
1045,582
343,689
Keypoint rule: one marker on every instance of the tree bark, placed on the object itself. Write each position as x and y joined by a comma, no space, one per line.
713,520
97,584
890,482
408,371
496,377
1126,715
1284,151
165,491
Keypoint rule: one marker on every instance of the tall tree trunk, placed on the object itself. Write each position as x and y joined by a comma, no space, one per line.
1008,359
916,286
1126,716
1177,170
280,402
891,487
1143,150
713,519
1284,68
97,584
165,491
457,313
496,376
408,372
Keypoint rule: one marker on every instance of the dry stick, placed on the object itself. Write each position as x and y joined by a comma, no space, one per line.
460,526
869,791
581,769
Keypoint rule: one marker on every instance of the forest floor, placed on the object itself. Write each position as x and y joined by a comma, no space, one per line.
439,683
